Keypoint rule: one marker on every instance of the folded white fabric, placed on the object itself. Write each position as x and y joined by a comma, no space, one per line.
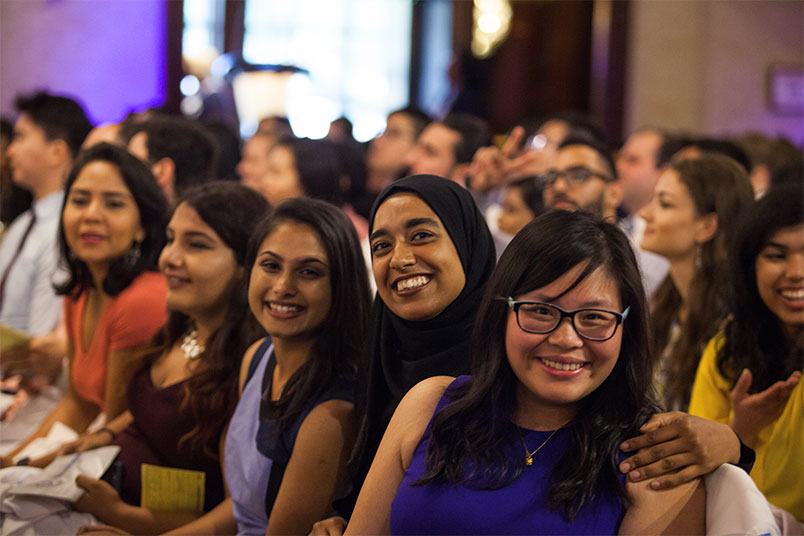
57,480
734,505
37,501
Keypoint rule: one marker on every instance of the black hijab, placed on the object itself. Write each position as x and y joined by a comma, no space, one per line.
401,353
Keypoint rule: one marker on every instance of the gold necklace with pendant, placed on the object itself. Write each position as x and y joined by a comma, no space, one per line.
529,455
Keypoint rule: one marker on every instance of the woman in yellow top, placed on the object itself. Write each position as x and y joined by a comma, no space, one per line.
750,374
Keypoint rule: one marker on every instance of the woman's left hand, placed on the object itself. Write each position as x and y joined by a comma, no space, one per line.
678,447
753,412
100,498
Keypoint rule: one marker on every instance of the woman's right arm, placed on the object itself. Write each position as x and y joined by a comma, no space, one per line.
220,520
99,438
372,513
73,411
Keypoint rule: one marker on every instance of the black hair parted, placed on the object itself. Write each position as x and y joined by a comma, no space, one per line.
475,430
599,146
193,150
418,117
530,188
755,337
339,343
474,133
61,118
153,214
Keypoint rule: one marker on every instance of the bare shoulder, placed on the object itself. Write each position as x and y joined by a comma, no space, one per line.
246,361
331,412
679,510
424,396
414,413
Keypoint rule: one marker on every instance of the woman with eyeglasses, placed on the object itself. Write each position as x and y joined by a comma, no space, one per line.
691,221
529,443
750,373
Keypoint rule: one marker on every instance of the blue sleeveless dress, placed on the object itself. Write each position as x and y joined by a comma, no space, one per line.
519,508
255,454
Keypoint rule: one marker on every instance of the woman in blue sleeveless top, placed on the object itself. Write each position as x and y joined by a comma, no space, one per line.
529,444
293,428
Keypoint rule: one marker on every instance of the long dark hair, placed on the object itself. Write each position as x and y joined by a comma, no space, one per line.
755,337
475,429
339,343
717,185
152,206
210,394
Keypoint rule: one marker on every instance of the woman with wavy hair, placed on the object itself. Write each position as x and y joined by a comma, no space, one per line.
750,373
180,402
691,221
561,374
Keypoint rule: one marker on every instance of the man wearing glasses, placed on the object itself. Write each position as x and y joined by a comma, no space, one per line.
584,177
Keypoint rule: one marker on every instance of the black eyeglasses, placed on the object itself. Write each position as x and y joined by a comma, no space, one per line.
542,318
576,175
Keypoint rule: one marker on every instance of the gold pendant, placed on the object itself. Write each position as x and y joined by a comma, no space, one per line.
529,461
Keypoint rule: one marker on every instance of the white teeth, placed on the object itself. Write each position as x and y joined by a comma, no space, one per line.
413,282
796,295
561,366
284,308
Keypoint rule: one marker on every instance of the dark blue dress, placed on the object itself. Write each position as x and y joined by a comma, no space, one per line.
519,508
256,454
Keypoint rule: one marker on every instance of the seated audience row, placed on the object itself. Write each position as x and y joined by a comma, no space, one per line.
339,409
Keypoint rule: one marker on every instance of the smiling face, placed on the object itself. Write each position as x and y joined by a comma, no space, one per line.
558,369
290,291
416,266
199,267
672,223
780,277
101,219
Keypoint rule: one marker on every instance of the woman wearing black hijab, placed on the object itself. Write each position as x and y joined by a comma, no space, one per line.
422,319
432,254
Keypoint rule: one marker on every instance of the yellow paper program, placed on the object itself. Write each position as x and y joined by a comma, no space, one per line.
166,488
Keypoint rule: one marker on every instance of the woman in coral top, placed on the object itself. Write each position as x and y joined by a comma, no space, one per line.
750,374
112,230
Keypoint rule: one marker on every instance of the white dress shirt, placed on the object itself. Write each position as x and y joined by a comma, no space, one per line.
30,303
654,267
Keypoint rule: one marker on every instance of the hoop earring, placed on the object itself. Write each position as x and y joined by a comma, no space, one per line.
698,257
